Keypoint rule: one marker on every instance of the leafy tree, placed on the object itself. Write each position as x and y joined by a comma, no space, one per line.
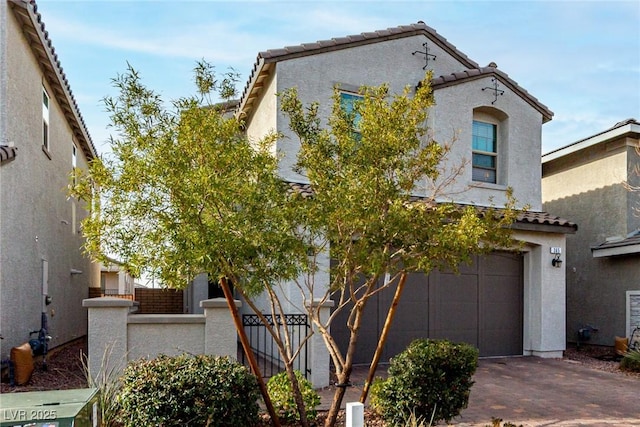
363,168
185,192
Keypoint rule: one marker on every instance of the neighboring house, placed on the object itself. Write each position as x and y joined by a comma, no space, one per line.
116,280
589,181
507,303
42,138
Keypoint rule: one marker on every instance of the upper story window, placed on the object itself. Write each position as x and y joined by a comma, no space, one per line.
74,161
485,152
45,119
347,102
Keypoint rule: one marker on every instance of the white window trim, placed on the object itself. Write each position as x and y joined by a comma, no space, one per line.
46,139
490,121
630,294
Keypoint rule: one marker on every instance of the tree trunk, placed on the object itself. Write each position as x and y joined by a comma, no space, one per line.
345,375
275,332
247,350
338,396
383,337
297,395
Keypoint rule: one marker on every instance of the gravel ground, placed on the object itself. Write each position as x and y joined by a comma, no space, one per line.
65,372
597,357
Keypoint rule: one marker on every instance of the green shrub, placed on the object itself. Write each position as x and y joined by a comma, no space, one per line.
431,378
631,361
281,395
188,391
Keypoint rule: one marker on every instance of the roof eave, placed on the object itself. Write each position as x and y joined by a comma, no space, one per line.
607,135
268,57
44,52
547,115
545,228
629,249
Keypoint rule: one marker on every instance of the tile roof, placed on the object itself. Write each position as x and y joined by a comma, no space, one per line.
336,43
528,220
262,66
630,121
7,153
631,240
545,218
34,30
492,70
625,128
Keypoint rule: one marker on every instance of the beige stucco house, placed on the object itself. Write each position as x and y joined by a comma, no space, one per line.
42,138
115,279
508,303
588,181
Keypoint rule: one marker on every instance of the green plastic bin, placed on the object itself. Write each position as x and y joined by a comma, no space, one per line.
57,408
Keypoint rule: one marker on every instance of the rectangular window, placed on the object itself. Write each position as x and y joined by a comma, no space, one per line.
45,119
74,161
347,102
485,153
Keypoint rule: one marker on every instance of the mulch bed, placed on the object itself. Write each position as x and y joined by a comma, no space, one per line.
64,370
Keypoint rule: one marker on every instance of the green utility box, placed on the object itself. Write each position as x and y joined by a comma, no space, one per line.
58,408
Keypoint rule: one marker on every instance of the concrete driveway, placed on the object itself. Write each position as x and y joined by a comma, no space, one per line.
531,391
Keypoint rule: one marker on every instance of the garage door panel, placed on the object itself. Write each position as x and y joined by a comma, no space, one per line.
504,262
501,294
481,306
453,307
369,329
411,320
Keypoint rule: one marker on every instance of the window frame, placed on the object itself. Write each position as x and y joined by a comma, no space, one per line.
493,155
74,161
46,128
347,101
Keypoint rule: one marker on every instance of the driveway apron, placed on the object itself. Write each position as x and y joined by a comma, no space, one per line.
531,391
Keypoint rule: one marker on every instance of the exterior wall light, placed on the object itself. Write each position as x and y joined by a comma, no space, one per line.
556,261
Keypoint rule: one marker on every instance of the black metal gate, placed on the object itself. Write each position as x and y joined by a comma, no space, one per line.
265,349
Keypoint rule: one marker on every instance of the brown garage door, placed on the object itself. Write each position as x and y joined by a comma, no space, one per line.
482,306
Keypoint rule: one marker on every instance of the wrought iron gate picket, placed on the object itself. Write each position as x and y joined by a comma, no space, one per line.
265,349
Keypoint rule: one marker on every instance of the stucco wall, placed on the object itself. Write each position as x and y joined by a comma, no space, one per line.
263,120
519,142
315,77
596,286
116,336
588,188
544,294
148,335
451,118
36,218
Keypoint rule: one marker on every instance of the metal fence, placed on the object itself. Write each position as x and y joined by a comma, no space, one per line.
265,349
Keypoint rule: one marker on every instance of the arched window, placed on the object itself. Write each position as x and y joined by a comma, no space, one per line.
488,146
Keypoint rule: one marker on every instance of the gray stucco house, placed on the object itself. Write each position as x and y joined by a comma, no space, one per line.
42,138
588,181
508,303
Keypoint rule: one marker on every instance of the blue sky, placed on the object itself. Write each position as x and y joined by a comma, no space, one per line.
579,58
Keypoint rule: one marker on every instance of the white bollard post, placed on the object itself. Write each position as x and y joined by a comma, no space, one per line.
355,414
